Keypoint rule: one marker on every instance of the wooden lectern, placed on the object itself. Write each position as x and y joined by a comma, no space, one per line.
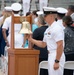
22,61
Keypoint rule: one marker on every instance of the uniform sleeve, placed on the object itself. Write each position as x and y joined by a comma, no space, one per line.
58,35
5,25
44,39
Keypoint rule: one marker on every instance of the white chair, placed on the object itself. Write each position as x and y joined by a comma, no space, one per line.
69,65
43,65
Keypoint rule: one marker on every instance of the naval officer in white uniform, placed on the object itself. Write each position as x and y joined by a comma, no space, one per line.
16,7
54,39
61,12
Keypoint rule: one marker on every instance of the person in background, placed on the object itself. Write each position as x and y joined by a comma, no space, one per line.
1,17
28,13
5,10
71,12
38,34
69,42
16,7
54,40
60,14
7,13
34,26
25,42
35,20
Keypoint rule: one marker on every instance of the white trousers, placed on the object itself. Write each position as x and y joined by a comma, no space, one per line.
51,61
42,3
26,6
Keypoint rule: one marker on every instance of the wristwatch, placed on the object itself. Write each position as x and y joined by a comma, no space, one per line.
56,61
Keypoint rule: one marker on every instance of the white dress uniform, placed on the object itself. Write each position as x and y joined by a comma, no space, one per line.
43,3
61,11
26,6
53,34
60,23
18,37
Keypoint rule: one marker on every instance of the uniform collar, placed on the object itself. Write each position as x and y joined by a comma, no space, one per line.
60,20
53,24
16,15
72,14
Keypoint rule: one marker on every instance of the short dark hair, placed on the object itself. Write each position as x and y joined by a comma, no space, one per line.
71,7
28,13
60,15
35,12
68,20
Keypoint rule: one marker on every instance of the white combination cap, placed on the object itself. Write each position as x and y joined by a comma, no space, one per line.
72,16
39,12
49,10
7,8
16,6
61,10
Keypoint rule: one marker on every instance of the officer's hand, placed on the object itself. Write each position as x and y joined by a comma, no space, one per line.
56,66
28,36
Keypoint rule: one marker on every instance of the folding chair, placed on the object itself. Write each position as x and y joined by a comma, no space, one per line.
43,65
69,65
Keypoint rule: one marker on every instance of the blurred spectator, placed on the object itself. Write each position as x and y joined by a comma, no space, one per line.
71,11
7,13
35,20
1,17
28,13
38,34
69,42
